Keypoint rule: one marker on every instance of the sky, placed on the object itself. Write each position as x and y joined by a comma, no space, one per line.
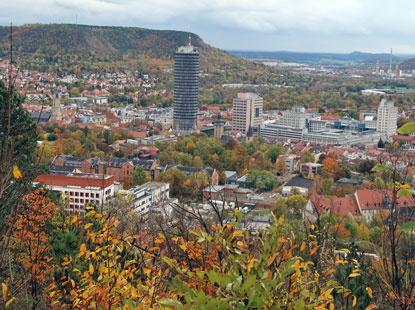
341,26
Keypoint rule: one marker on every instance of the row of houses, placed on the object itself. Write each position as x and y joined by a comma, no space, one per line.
122,168
366,203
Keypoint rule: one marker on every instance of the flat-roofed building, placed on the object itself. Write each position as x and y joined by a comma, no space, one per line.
246,112
80,188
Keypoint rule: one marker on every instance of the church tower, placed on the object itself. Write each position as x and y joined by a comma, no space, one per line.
56,108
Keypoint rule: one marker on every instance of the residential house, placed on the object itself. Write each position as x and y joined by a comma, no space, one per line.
340,205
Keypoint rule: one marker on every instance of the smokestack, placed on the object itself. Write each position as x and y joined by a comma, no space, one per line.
390,62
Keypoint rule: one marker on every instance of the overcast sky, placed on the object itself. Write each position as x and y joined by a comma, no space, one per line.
274,25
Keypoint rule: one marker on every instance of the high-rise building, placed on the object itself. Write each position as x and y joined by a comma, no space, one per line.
387,118
246,112
186,88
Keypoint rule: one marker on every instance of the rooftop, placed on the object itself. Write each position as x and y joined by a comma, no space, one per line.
300,182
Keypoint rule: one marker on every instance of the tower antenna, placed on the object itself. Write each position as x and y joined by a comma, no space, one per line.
190,40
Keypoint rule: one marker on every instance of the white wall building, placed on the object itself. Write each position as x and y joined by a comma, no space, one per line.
296,118
387,118
152,197
81,189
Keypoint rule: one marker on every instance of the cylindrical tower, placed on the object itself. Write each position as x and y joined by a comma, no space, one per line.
186,88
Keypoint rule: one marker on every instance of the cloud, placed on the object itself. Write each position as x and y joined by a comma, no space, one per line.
308,18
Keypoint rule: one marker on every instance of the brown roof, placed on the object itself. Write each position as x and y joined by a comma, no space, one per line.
83,180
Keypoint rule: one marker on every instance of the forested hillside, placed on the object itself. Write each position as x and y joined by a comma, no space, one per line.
80,48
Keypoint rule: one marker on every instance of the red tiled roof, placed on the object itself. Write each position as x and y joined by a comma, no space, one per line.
404,138
109,116
330,118
373,199
340,205
136,134
82,181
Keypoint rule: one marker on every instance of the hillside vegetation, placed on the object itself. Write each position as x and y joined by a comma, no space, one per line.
65,48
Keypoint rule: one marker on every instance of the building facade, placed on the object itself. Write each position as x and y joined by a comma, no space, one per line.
152,197
387,118
186,88
246,112
295,118
80,189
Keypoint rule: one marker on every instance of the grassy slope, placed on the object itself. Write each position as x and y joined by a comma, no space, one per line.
407,128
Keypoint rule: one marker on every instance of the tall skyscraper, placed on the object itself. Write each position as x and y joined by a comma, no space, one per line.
186,87
387,118
246,112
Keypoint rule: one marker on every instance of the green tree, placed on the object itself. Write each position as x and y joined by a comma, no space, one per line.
139,175
17,150
296,204
262,180
273,152
307,157
176,179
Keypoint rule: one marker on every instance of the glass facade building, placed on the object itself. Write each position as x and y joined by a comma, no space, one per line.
186,88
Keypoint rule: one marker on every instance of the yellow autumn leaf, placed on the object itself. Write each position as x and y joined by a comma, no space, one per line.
371,307
91,269
88,225
329,272
10,301
75,218
369,292
4,288
16,172
83,247
345,294
237,233
354,301
313,250
302,246
353,275
251,263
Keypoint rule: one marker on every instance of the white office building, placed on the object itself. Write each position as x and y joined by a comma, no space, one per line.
387,118
152,197
295,118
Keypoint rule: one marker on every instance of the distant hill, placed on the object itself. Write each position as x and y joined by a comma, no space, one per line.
80,48
300,57
408,64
